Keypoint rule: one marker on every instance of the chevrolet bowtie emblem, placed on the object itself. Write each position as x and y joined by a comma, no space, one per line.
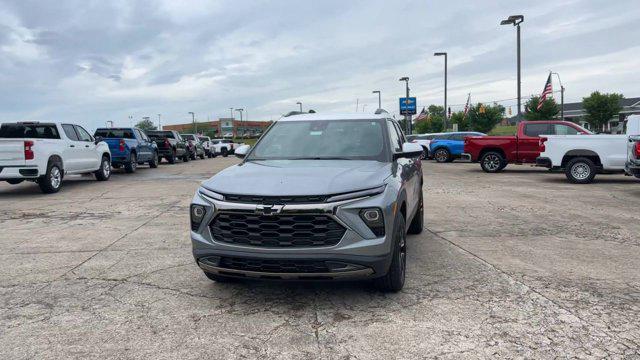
268,209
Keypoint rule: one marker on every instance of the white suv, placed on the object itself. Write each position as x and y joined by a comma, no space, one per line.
45,152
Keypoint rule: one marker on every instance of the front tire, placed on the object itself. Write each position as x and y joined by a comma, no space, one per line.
492,162
225,152
393,280
153,163
580,170
132,165
104,173
442,155
51,181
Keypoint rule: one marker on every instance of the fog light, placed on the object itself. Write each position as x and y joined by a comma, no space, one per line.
374,220
197,215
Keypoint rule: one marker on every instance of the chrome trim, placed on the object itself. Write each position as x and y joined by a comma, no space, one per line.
358,194
210,194
259,274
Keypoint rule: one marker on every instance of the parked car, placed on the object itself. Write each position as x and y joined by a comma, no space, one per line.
45,152
222,147
170,145
494,153
194,146
228,135
449,146
425,140
207,145
632,167
129,147
582,157
337,196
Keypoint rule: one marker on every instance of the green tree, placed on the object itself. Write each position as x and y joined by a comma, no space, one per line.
433,123
548,111
483,118
146,125
461,120
601,108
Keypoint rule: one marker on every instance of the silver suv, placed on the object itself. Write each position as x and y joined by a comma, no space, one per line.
318,197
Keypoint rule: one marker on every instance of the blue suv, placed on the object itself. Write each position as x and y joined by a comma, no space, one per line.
449,146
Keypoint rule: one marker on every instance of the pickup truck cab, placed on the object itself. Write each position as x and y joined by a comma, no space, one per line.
582,157
170,145
45,152
129,147
632,167
494,153
449,146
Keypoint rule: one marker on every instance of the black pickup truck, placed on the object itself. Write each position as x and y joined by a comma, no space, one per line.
171,146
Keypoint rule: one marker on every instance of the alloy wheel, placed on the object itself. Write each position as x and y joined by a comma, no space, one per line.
580,171
55,178
492,162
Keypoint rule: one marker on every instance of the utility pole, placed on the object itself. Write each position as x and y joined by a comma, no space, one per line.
299,103
407,117
357,104
516,20
379,98
445,86
240,111
159,122
231,111
363,107
195,125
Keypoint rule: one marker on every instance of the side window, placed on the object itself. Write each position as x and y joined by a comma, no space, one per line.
396,145
70,132
560,129
139,134
83,134
535,130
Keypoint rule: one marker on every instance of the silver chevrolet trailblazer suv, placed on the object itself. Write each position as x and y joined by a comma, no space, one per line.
319,197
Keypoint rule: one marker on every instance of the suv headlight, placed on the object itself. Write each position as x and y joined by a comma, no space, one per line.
197,215
374,219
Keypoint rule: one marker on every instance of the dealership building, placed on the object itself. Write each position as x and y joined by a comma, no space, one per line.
223,127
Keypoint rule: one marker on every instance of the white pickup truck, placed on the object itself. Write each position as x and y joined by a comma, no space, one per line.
632,166
45,152
583,156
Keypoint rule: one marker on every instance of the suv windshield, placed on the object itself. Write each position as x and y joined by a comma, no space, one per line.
323,139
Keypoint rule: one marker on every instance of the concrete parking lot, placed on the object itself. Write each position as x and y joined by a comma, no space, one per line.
516,265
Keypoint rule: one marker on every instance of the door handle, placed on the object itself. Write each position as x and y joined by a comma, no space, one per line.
72,146
86,146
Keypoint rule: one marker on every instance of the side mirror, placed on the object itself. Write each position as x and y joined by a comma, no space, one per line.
410,150
97,139
242,151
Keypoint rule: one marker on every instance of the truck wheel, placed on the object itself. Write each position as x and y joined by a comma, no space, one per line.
51,181
393,280
442,155
154,160
132,165
104,173
224,152
172,158
202,156
213,153
492,162
580,170
193,156
185,158
417,222
15,181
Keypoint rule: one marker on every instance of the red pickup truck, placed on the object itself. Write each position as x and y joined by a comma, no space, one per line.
495,152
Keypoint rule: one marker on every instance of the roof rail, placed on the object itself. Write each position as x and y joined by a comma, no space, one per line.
381,111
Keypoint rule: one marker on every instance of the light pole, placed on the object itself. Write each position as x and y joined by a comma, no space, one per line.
363,107
445,86
299,103
516,20
131,120
231,111
379,98
561,95
407,117
159,122
193,118
240,111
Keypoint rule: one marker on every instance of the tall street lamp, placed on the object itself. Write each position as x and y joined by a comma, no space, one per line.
561,95
516,20
379,98
364,107
240,111
299,103
159,122
193,118
231,111
407,117
445,85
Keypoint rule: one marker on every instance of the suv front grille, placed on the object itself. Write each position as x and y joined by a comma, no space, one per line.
308,199
277,231
274,266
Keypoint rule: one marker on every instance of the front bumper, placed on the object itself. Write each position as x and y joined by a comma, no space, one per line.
19,172
544,162
363,254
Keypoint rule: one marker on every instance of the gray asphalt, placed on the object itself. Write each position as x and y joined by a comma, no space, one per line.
513,265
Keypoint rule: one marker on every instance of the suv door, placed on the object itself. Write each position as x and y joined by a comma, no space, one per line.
90,157
73,152
407,169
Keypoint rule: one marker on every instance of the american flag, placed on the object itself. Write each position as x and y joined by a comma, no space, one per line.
466,107
548,89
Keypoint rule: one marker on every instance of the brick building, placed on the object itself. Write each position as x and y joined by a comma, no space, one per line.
223,127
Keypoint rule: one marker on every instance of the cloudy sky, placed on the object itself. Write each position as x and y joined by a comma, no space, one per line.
93,61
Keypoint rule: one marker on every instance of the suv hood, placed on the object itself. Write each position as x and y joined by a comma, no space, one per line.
299,177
